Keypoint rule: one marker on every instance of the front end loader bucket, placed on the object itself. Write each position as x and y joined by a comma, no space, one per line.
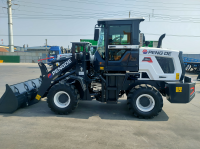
19,95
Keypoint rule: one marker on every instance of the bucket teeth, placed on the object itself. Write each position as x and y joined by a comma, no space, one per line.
19,95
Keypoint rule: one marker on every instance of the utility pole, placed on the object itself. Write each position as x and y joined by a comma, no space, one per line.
10,26
152,12
129,14
46,50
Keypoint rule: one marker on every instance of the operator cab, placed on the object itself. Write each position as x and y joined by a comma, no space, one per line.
81,52
118,44
80,48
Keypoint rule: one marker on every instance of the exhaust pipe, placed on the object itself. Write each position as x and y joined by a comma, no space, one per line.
19,95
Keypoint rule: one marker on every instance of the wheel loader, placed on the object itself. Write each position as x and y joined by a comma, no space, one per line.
119,66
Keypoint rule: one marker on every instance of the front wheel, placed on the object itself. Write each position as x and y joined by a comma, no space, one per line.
63,98
144,102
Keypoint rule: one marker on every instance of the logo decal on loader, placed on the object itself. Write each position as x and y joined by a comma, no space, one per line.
156,52
144,51
65,64
159,53
49,75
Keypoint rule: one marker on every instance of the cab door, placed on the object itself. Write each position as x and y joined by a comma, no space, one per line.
120,48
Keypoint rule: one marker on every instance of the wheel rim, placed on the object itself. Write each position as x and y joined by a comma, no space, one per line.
62,99
145,102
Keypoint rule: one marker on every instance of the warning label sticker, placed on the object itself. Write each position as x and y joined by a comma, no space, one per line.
178,89
38,97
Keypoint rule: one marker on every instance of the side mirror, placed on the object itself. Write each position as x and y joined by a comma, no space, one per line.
143,38
96,34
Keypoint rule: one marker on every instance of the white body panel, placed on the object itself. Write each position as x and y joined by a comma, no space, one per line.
153,68
123,46
64,55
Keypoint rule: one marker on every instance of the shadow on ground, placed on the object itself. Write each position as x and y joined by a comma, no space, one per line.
34,67
192,73
86,110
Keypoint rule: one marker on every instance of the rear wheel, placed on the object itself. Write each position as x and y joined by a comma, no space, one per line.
63,98
144,102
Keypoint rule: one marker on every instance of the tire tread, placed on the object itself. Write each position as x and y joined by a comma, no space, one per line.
74,92
134,91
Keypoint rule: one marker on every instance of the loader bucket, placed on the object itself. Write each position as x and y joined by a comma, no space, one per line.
19,95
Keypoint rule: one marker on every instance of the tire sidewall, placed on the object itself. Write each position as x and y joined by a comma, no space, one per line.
66,89
151,93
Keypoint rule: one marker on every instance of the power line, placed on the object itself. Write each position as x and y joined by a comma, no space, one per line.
158,16
85,9
165,17
93,34
68,10
115,13
120,5
163,2
95,17
92,13
111,4
53,35
61,15
168,22
172,35
61,18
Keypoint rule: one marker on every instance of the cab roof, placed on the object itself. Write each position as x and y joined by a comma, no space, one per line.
120,19
55,48
81,42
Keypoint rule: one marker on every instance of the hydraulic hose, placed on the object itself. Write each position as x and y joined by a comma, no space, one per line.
102,78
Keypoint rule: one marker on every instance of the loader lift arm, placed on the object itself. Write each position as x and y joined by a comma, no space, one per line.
54,75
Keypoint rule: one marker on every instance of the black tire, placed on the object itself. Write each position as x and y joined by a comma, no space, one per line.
137,109
126,92
71,96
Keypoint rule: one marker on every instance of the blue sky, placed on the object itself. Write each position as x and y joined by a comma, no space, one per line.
78,17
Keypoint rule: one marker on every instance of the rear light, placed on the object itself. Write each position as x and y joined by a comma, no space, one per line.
193,90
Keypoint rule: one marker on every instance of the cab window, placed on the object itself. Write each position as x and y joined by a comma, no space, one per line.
100,45
78,49
166,64
52,53
116,54
119,35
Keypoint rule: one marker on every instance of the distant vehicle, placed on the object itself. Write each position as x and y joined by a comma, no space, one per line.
53,52
93,45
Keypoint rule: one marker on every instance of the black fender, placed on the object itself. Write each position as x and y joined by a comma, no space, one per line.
159,85
81,86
